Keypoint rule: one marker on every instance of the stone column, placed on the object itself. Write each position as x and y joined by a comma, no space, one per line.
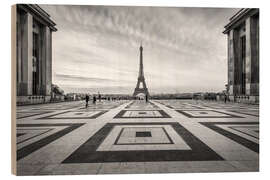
248,55
43,61
27,40
230,63
46,62
252,71
48,50
254,86
236,60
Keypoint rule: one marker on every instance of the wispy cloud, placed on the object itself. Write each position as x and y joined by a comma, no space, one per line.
184,48
81,78
67,77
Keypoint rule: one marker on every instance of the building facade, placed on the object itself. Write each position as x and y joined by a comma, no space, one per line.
33,54
243,55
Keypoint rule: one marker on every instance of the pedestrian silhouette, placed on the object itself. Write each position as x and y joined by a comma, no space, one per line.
86,100
94,99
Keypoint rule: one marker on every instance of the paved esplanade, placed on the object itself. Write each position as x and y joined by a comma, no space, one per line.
136,137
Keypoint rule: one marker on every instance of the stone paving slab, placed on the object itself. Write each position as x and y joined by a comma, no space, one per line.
119,137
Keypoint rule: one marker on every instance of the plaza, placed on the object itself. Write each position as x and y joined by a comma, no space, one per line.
161,136
174,121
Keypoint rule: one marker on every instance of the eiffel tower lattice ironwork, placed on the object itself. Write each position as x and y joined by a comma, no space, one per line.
141,78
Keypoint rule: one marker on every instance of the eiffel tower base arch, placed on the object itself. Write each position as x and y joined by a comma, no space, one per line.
141,90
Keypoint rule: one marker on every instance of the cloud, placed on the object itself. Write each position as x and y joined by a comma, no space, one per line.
184,48
66,77
81,78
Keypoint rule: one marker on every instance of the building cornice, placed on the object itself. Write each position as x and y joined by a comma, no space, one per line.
239,18
39,14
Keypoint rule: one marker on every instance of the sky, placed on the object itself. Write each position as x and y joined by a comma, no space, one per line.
96,48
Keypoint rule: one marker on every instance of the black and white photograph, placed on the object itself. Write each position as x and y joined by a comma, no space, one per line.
111,89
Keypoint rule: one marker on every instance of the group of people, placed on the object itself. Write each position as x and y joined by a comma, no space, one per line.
94,100
87,98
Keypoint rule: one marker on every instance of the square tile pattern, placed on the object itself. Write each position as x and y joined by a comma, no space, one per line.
124,138
91,114
247,112
138,135
32,137
143,134
244,133
116,142
225,106
157,145
142,114
26,114
206,114
142,105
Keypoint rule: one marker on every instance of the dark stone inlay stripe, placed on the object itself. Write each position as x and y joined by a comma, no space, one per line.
225,107
163,114
154,106
87,153
120,133
234,128
34,114
180,106
143,134
90,117
20,134
47,130
56,108
21,153
100,106
191,116
246,113
243,141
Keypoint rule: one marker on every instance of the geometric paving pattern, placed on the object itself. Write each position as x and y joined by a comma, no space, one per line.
247,112
177,105
34,136
140,137
91,114
142,114
141,106
245,133
137,137
191,148
206,114
25,114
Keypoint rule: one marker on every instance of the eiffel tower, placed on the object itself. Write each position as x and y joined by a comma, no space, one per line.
141,79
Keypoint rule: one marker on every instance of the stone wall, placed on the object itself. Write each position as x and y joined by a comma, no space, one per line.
249,29
29,22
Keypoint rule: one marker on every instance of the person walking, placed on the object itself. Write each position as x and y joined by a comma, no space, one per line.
86,100
94,99
146,98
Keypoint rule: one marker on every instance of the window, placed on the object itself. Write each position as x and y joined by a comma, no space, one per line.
35,64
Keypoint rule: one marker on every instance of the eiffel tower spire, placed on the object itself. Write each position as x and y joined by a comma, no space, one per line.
141,78
141,62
